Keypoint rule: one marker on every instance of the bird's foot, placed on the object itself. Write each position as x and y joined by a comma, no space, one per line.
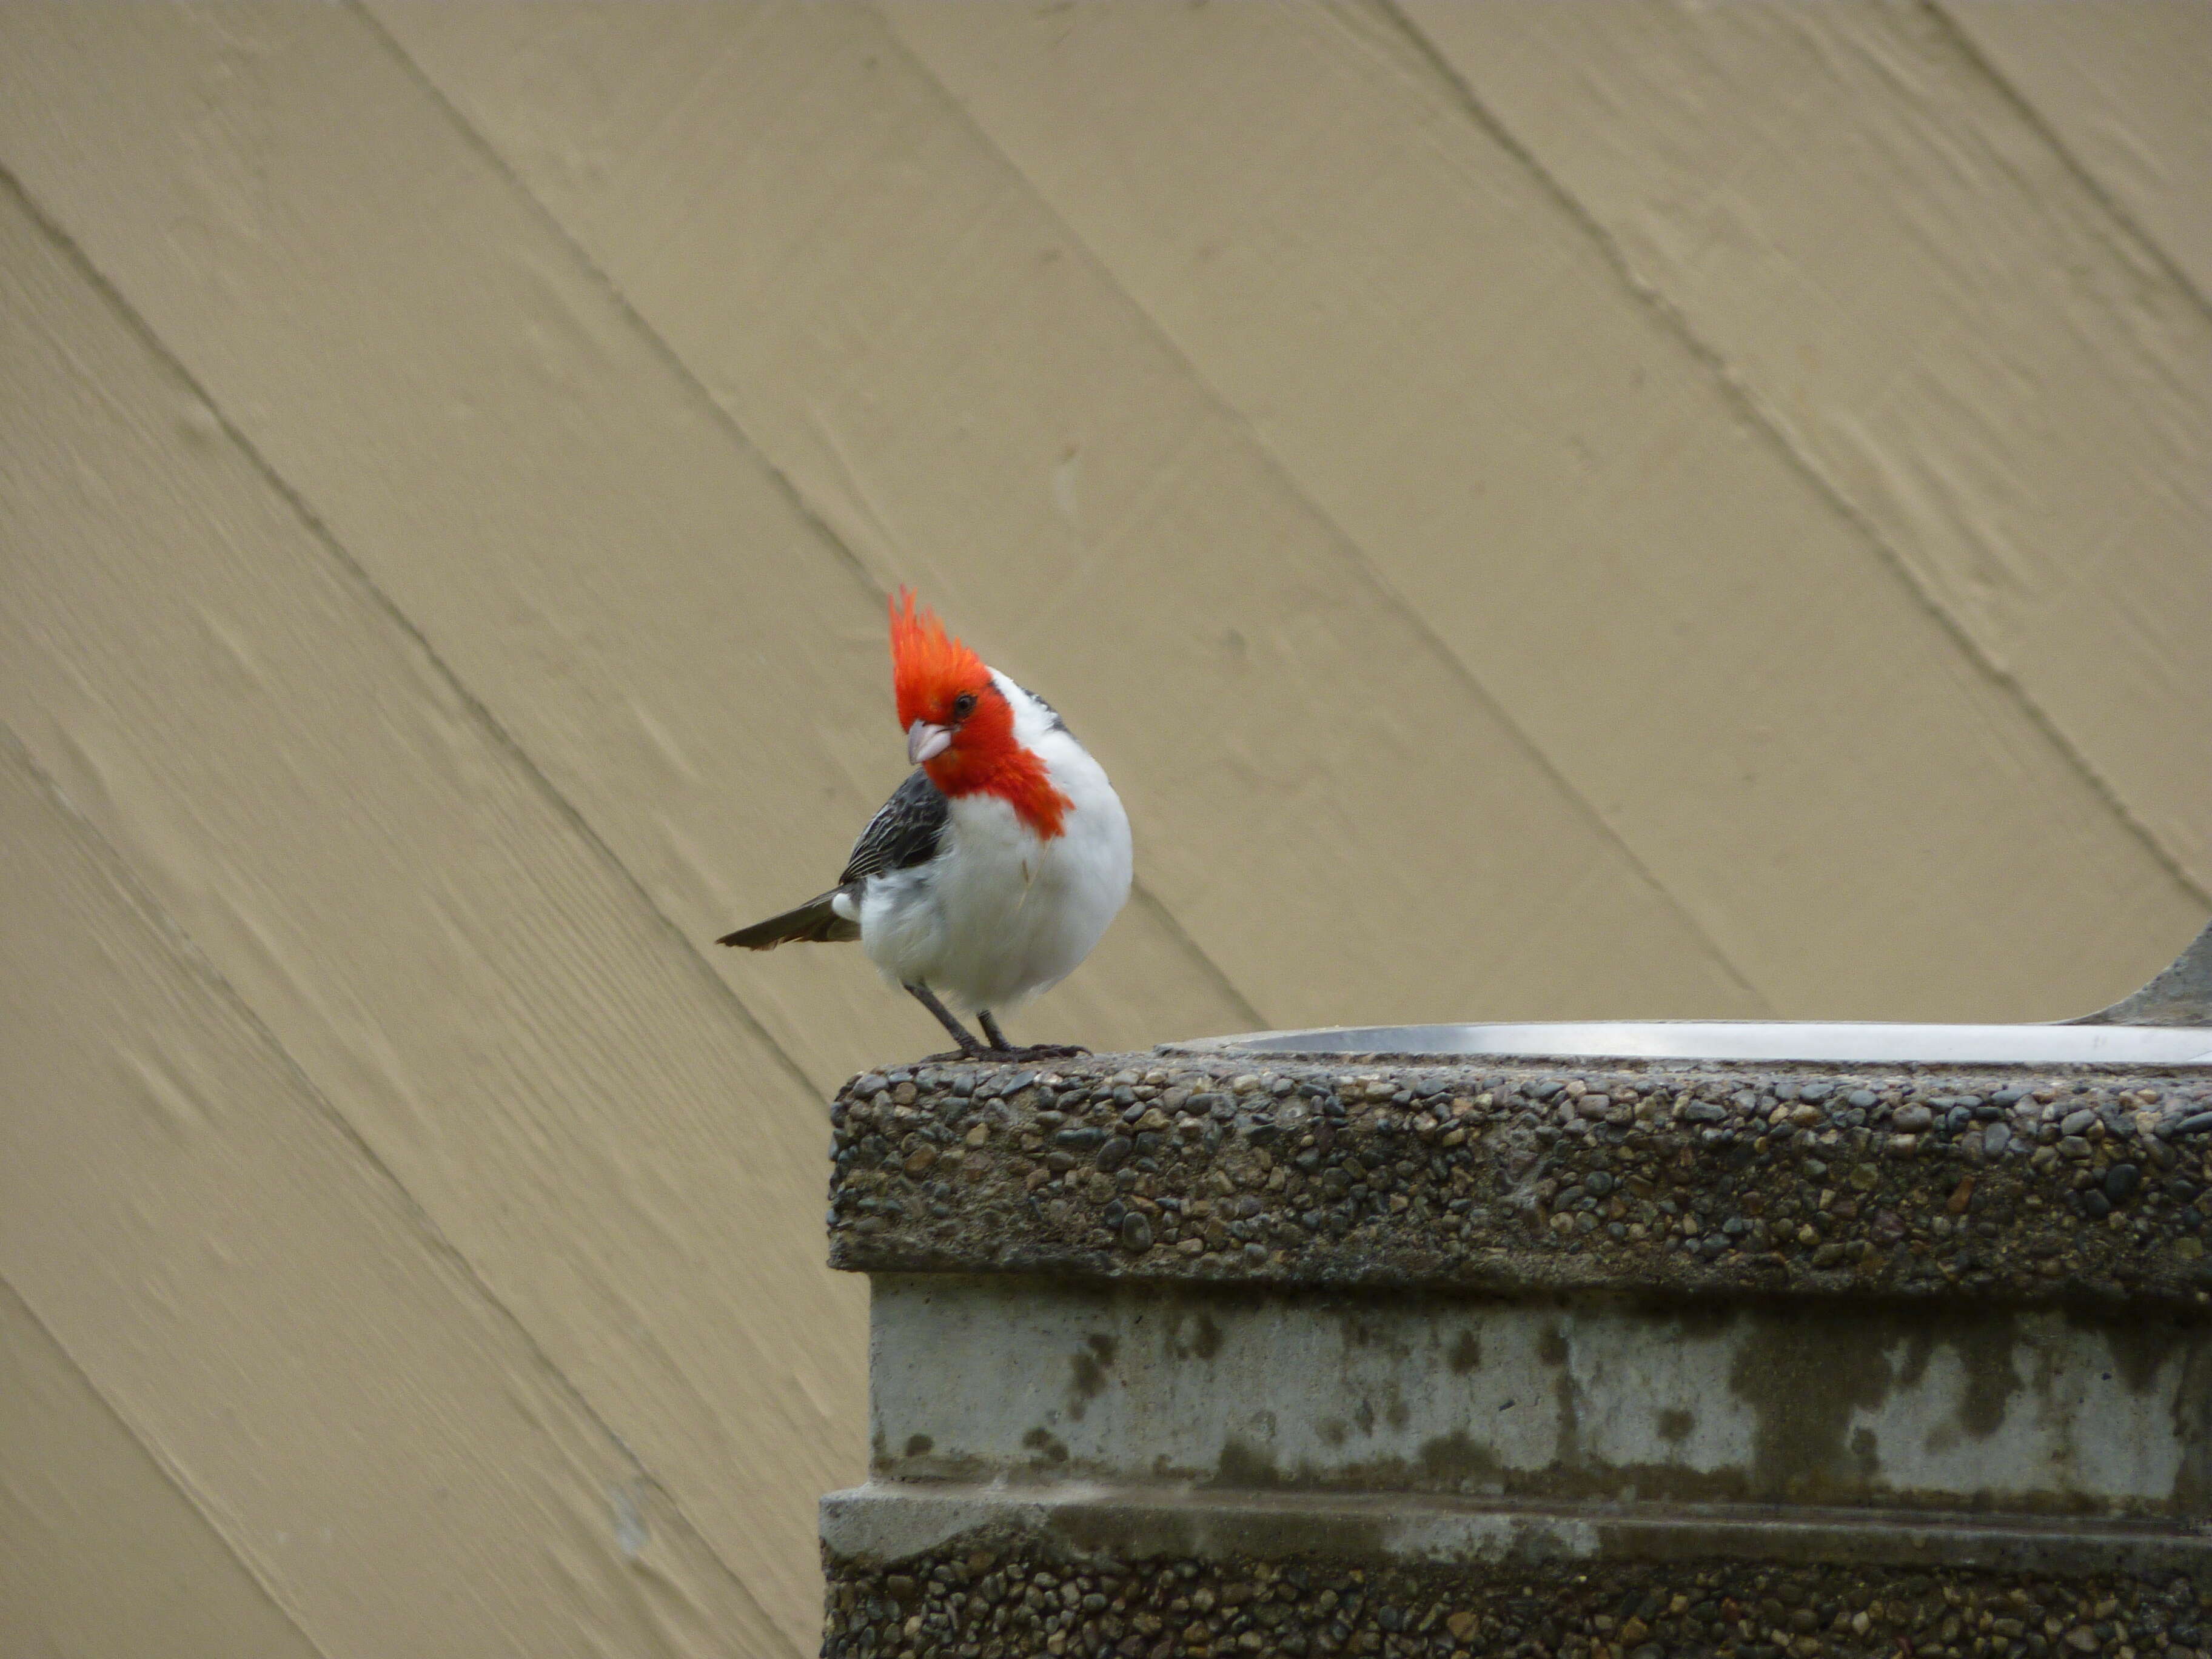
1034,1051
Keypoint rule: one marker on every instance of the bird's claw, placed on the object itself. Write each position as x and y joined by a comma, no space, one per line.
1005,1056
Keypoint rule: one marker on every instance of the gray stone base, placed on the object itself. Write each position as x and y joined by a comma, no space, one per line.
974,1572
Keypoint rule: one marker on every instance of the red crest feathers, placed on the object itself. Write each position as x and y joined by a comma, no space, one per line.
929,667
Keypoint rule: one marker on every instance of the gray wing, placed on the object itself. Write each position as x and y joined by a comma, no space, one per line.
908,831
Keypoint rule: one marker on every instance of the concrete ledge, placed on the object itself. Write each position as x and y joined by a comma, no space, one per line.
2047,1185
1589,1397
884,1525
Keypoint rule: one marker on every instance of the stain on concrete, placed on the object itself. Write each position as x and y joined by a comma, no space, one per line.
2140,1351
2192,1426
1087,1383
1047,1444
1208,1342
1455,1462
1803,1391
1986,1350
1674,1425
2141,1347
1243,1465
920,1445
1465,1353
1866,1447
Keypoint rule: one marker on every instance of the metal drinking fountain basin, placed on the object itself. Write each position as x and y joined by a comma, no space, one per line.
2167,1023
1836,1041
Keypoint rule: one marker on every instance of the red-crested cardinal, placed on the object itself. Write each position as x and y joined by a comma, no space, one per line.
993,869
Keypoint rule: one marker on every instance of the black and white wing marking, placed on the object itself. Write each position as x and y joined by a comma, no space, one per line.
908,831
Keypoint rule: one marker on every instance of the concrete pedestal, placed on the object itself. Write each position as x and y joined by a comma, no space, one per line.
1194,1355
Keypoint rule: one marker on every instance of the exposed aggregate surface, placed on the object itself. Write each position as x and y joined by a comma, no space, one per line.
2053,1183
988,1598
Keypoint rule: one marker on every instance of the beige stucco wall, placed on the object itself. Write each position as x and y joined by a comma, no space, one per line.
1544,509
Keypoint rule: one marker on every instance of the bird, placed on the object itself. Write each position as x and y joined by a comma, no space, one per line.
995,868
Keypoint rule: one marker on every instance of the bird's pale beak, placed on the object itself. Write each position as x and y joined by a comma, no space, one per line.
925,741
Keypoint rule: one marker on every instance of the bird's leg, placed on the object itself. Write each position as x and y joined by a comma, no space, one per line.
969,1048
992,1034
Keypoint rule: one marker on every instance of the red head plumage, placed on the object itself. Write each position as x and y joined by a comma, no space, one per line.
930,669
937,679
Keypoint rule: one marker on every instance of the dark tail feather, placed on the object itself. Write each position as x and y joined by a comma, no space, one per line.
813,922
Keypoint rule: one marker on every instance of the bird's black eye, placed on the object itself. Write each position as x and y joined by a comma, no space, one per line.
963,705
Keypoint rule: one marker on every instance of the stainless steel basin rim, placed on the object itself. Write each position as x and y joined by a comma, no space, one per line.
1818,1042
